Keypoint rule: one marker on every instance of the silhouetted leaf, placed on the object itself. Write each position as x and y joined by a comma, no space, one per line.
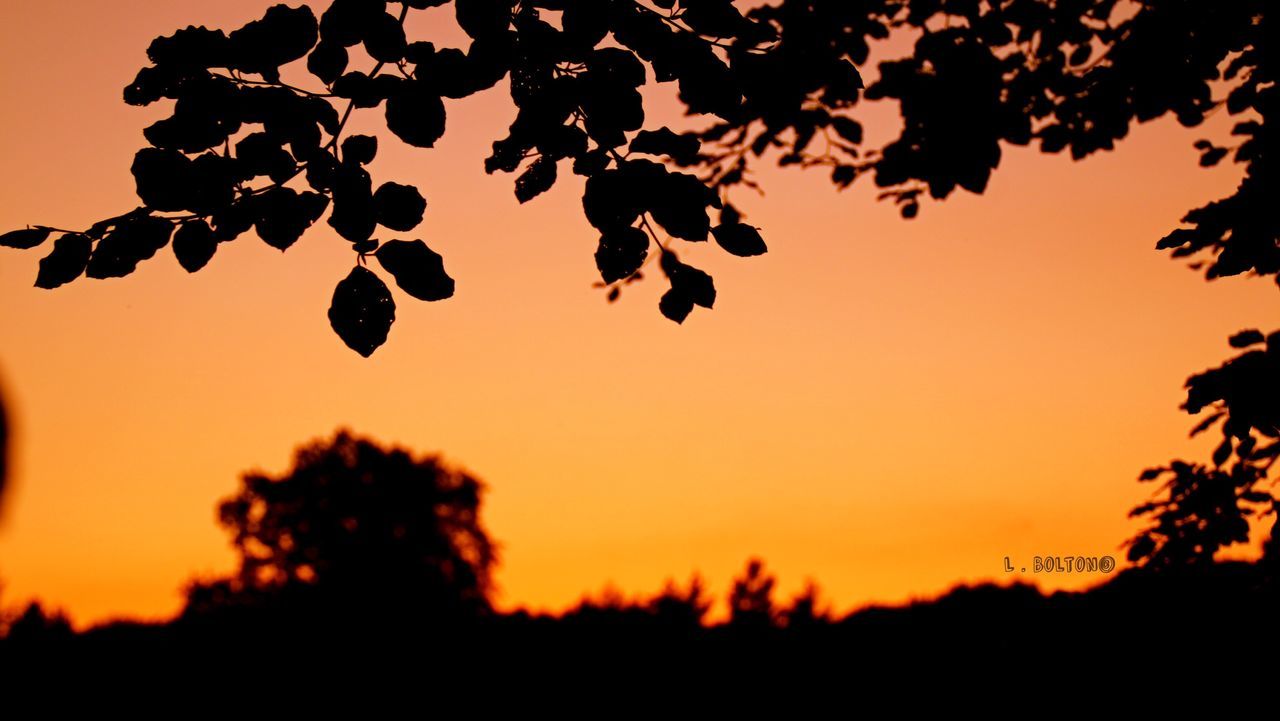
328,61
234,220
688,280
1212,157
25,239
1206,424
206,114
354,214
345,21
418,270
848,129
449,71
416,115
384,38
399,207
194,245
264,154
1246,338
364,91
132,241
483,18
678,201
607,93
66,262
611,200
536,179
359,149
585,23
740,239
151,84
163,178
192,48
283,35
212,183
284,214
362,311
676,305
716,18
1222,452
621,253
591,163
707,85
681,148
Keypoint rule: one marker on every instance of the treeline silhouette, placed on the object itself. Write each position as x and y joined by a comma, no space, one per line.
363,556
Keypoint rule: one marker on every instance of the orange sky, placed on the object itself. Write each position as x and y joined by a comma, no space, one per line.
887,407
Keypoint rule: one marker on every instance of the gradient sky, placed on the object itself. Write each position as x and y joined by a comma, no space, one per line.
887,407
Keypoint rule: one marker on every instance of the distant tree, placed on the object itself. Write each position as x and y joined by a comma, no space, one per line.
687,608
806,610
360,525
36,627
245,150
751,602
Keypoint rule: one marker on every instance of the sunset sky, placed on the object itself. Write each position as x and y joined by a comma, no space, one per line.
886,407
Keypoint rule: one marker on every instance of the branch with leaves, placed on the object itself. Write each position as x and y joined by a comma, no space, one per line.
244,150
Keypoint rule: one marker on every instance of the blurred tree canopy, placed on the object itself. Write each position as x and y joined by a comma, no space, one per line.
776,82
356,525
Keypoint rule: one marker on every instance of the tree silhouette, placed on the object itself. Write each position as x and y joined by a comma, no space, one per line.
1201,509
751,600
806,610
245,150
358,526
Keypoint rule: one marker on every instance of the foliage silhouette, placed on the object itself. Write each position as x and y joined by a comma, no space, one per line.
778,82
1201,509
354,525
35,626
777,77
751,600
983,72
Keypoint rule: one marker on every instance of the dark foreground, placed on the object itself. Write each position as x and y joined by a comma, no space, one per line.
1142,633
